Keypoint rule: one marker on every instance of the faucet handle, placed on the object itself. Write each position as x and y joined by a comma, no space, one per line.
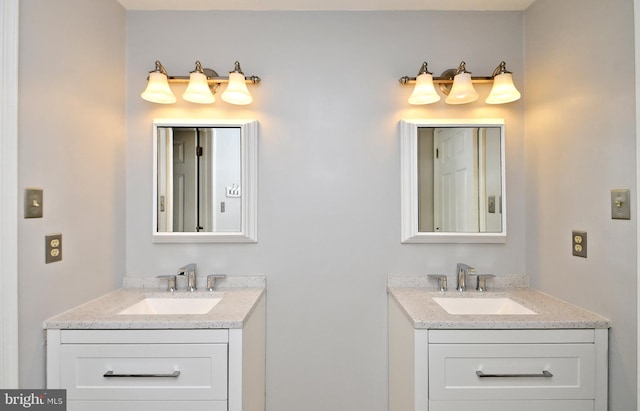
211,280
171,283
442,281
482,281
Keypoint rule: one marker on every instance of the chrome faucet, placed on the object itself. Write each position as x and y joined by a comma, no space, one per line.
190,271
463,275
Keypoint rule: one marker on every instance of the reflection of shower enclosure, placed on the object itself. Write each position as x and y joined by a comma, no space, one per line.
186,176
196,166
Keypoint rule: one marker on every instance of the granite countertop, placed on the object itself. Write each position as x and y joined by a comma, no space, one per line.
552,313
102,313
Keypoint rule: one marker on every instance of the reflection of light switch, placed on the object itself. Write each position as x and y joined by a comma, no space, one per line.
222,206
620,205
492,205
33,203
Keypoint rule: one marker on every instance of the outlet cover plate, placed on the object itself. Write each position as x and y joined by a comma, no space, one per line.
579,243
53,248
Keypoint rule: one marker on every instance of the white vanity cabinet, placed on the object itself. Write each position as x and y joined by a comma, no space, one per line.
495,369
140,369
516,369
221,369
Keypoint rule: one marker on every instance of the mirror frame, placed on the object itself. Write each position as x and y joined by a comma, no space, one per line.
409,183
249,172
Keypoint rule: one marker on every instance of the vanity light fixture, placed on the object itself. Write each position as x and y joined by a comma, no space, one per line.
503,90
424,91
203,83
158,90
198,90
462,91
237,92
457,85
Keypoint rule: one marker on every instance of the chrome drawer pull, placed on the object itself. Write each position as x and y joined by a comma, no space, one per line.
110,374
545,374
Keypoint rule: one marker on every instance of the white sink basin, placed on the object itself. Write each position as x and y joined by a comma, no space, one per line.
482,306
171,306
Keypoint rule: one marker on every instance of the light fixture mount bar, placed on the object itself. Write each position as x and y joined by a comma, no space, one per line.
447,76
212,78
446,80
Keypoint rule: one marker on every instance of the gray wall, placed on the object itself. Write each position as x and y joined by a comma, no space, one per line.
71,144
329,195
580,144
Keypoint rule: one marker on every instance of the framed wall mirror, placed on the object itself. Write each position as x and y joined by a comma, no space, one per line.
453,181
205,177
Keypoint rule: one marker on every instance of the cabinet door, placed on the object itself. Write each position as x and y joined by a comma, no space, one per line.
511,371
155,372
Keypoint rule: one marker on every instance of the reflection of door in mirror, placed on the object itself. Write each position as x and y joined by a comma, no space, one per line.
455,180
459,178
199,179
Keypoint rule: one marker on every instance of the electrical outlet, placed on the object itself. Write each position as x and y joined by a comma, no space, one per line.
234,191
53,248
579,243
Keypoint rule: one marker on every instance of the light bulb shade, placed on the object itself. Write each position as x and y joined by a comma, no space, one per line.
462,91
424,91
198,90
503,91
237,92
158,90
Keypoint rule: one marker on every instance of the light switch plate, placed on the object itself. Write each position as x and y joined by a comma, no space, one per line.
621,204
33,205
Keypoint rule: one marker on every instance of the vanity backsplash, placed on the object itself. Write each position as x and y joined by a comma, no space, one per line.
230,281
498,282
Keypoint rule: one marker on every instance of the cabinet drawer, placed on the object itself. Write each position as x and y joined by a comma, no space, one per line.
155,372
515,371
148,405
522,405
